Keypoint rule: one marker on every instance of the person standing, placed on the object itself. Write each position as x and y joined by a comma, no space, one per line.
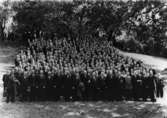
11,87
152,85
159,87
5,81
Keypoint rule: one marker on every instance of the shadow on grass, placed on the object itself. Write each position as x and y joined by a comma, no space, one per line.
82,109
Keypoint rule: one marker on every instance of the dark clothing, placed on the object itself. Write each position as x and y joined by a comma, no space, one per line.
5,82
160,86
11,89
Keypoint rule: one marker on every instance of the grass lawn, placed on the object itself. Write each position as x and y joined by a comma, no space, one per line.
124,109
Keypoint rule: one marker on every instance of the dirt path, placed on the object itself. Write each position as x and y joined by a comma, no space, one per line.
156,62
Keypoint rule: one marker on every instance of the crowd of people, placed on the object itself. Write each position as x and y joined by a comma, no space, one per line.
91,69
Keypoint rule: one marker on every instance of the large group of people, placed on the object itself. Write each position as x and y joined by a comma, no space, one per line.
91,69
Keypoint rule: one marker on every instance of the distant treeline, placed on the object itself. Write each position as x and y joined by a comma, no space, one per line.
138,26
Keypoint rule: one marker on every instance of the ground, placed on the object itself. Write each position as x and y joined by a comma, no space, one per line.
80,110
155,62
124,109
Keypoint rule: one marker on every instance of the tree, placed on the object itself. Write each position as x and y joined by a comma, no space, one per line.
30,16
5,12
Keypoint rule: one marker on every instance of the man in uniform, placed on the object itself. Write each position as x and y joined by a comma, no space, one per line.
134,85
145,87
160,86
90,86
83,82
74,87
116,85
102,85
81,87
5,81
42,85
152,85
122,92
11,87
32,86
109,85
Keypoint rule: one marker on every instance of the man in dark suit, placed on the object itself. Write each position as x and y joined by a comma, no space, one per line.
5,81
11,87
152,85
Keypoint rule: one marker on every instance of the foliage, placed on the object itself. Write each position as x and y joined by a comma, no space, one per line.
5,14
145,21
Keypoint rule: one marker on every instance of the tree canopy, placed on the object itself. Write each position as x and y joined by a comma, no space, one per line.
143,22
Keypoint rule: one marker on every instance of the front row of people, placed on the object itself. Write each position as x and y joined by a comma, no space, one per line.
84,86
